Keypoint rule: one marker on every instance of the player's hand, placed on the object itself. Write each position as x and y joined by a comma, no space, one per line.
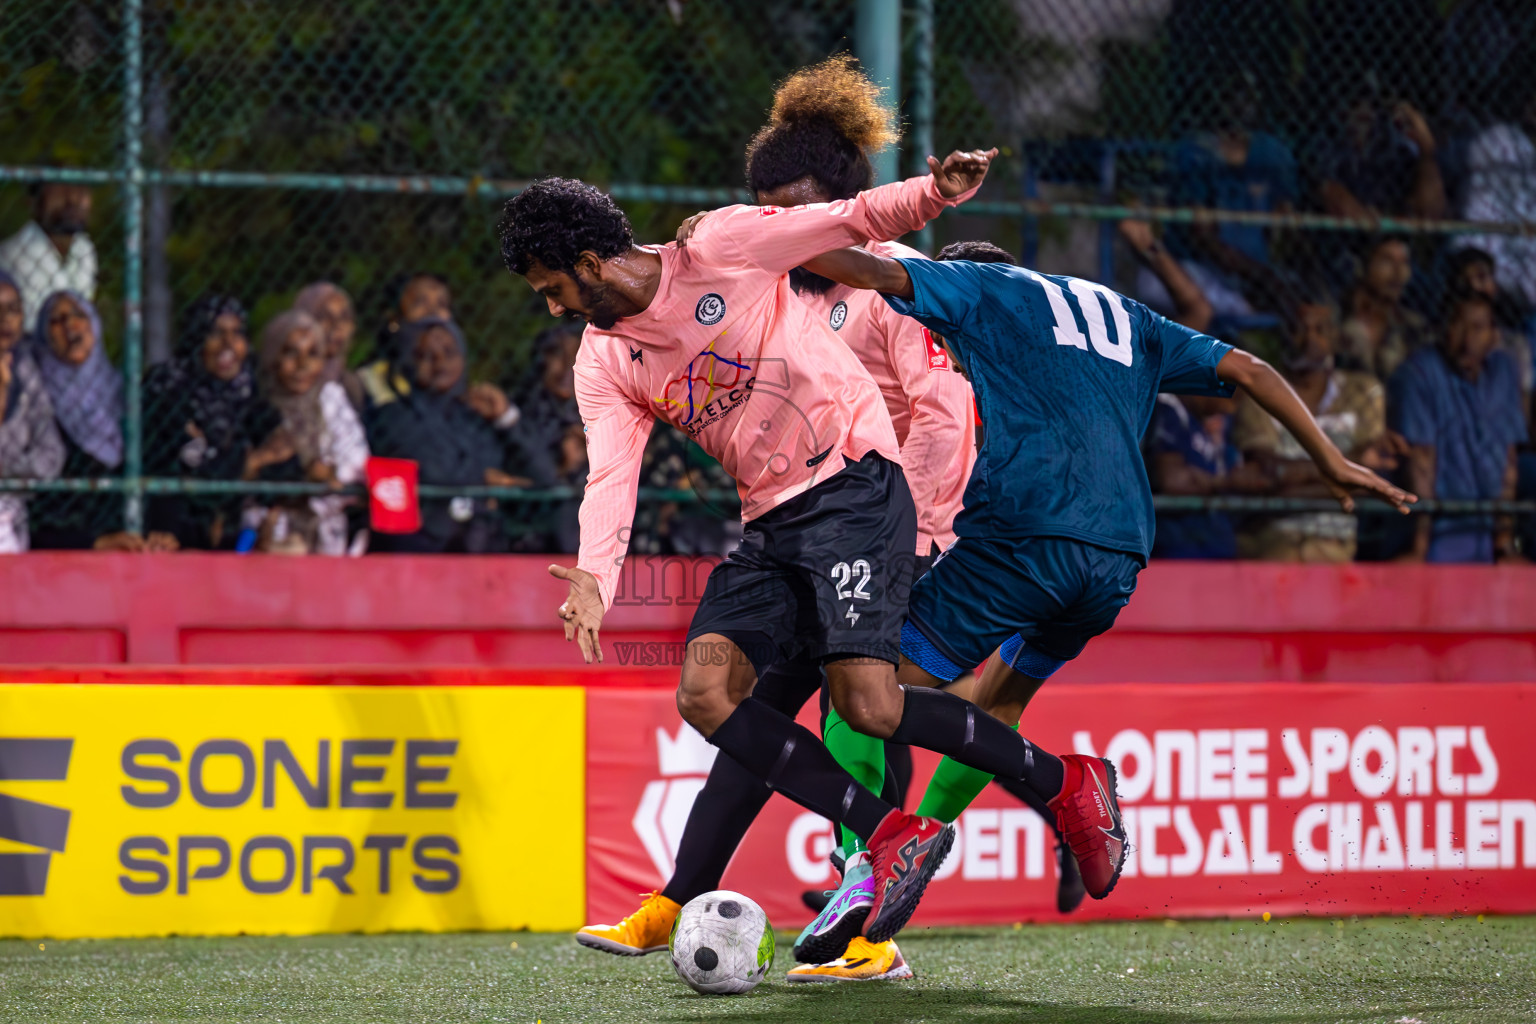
961,171
686,229
1346,477
488,400
1412,124
1138,233
582,611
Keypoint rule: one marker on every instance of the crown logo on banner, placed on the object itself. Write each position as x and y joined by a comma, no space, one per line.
684,761
687,753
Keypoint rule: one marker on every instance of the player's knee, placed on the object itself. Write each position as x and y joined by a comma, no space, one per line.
702,705
869,709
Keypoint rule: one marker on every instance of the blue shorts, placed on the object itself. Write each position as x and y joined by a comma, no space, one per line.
1055,593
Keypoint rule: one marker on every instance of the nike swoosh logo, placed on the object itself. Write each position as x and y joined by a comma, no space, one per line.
816,460
1113,833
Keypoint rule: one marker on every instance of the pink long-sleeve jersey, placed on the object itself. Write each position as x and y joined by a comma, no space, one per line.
728,354
930,405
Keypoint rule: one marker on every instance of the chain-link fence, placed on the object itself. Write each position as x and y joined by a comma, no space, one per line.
1290,153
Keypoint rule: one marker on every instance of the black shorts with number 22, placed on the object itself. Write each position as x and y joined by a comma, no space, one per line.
822,576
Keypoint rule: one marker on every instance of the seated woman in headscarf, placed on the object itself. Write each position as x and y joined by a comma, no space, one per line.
425,416
30,447
86,392
204,419
327,437
331,307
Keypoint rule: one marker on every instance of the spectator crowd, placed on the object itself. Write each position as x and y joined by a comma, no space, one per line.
1413,352
298,401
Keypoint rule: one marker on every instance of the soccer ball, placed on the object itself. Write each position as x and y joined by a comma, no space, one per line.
722,944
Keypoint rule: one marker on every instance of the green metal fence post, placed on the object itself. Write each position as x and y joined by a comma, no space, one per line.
133,215
877,38
922,101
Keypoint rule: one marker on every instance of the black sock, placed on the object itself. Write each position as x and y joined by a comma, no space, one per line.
722,812
732,797
958,729
898,774
1019,789
794,762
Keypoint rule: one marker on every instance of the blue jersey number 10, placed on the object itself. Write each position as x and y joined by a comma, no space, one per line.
1114,344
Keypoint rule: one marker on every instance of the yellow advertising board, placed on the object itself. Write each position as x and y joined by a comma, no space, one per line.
148,809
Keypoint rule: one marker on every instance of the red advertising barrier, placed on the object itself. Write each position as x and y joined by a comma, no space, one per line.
1189,621
1320,799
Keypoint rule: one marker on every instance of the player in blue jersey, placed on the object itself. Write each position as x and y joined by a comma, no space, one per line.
1058,512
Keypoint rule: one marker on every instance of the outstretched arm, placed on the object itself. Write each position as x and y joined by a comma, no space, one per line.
1275,396
860,268
779,239
616,430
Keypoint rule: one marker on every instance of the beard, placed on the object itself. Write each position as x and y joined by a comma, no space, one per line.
598,298
66,225
806,283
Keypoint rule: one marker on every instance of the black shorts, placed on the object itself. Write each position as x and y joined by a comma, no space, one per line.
825,575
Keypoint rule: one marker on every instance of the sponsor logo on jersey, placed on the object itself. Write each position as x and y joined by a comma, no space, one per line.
710,310
839,315
712,386
938,359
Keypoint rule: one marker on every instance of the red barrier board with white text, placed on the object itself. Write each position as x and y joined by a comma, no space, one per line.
1321,799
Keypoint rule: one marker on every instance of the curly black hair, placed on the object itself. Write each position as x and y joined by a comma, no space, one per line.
826,120
977,252
555,220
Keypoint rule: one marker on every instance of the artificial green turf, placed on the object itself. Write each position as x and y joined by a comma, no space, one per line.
1429,969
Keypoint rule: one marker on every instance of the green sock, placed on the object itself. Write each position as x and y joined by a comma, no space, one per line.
951,790
861,756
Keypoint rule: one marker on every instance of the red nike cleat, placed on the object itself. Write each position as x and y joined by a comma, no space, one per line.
1088,815
904,853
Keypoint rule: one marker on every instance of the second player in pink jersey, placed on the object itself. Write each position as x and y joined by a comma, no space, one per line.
930,405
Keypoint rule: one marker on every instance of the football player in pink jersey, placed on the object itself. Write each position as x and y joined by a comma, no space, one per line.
713,341
824,123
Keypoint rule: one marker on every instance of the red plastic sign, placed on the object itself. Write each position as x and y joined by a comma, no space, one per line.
1293,798
392,503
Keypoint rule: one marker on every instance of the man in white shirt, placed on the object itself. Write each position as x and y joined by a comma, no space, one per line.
52,251
1502,165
